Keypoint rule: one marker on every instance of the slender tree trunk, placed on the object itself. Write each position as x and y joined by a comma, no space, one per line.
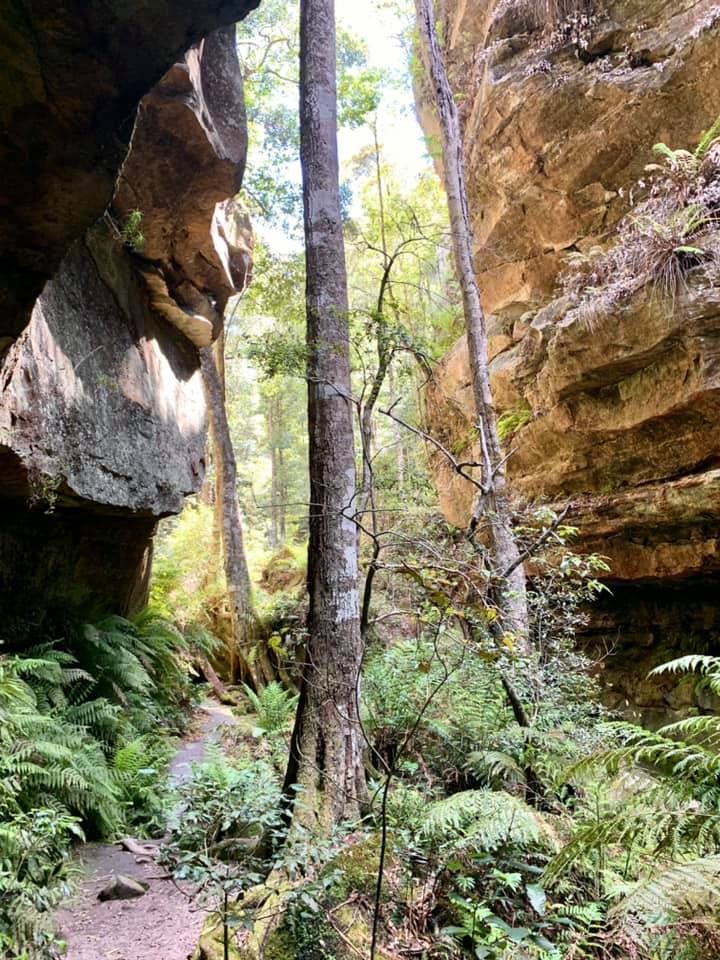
236,570
326,752
399,440
283,493
384,354
367,425
208,671
210,495
493,503
275,495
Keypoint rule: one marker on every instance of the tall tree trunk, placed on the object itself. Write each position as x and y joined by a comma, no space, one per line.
384,355
327,751
283,492
237,575
210,495
398,440
275,494
493,502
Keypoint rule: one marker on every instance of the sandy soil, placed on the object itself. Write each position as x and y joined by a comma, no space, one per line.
161,925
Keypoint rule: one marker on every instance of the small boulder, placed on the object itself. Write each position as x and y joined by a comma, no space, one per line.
123,888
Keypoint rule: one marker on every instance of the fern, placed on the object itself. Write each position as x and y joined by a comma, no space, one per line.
495,767
662,815
130,758
708,139
273,706
674,890
483,820
71,756
708,667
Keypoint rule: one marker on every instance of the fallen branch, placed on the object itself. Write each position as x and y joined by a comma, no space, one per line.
138,848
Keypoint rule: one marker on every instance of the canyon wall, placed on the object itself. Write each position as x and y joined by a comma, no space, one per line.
618,417
102,410
71,77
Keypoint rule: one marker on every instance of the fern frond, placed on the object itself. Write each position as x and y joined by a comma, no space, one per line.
708,138
273,706
484,819
494,765
707,666
674,890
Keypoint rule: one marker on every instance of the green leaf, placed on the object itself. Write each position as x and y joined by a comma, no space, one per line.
537,897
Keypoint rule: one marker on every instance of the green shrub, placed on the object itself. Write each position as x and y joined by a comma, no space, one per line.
35,877
229,813
227,809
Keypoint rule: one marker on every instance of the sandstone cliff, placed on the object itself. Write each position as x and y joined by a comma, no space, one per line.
71,77
102,412
621,417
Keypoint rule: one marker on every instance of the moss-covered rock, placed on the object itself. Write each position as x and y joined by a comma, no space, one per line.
359,862
281,945
327,919
311,938
344,934
211,945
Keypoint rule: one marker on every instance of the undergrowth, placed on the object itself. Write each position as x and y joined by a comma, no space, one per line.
85,709
552,831
549,833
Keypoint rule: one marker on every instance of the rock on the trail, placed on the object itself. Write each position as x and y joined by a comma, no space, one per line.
123,888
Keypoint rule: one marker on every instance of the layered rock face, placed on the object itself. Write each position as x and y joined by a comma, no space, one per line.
102,411
621,417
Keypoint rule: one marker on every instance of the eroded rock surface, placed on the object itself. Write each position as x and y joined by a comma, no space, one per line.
101,399
554,131
102,411
620,417
187,157
71,76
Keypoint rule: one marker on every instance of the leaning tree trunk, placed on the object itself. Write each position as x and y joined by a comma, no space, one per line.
326,753
237,575
493,502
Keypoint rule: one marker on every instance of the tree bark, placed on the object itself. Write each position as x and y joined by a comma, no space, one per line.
207,670
327,751
493,502
237,575
399,440
212,572
275,485
283,492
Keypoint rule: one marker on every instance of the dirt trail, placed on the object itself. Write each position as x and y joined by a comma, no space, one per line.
161,925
